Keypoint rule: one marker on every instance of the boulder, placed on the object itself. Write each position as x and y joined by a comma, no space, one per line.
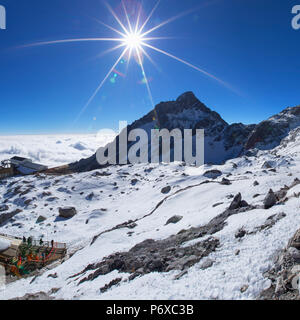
166,190
270,199
40,219
238,203
240,233
225,182
244,204
67,212
174,219
244,288
134,182
90,196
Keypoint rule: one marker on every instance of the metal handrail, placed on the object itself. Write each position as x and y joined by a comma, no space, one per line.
37,243
10,237
47,244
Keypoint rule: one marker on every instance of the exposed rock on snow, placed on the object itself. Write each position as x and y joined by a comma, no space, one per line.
240,233
41,219
174,219
270,200
7,216
237,203
110,285
35,296
225,182
244,288
272,220
285,275
67,212
90,196
166,190
153,256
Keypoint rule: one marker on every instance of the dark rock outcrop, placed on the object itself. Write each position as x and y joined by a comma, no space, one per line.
285,274
174,219
238,203
270,200
67,212
166,190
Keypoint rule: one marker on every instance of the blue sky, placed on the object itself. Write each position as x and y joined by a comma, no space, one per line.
249,44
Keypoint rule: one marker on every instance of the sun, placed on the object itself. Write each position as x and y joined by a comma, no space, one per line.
133,40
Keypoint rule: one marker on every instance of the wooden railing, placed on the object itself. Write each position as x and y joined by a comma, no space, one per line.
48,244
38,243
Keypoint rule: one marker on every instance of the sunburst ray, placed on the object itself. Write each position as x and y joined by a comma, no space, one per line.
127,17
116,17
43,43
149,17
189,65
110,27
101,85
135,39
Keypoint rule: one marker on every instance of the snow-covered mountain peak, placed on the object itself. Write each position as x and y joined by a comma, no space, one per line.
269,133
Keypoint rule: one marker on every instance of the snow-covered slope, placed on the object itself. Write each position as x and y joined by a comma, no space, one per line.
209,252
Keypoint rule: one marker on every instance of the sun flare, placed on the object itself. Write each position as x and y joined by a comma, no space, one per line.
134,40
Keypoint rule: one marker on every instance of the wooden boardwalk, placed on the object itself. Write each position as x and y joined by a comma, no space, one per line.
31,256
